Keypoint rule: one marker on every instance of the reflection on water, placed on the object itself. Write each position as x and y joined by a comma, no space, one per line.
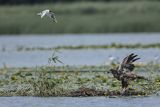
74,57
79,102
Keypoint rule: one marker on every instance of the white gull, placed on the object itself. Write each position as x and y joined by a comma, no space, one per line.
48,13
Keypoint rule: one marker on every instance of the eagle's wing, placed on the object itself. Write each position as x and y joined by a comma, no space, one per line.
127,63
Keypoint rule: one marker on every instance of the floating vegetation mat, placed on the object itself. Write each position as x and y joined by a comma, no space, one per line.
75,81
113,45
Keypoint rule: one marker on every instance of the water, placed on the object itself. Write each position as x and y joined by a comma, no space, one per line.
79,102
11,42
13,58
73,57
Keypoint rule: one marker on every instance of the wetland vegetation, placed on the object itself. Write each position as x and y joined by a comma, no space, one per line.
75,81
82,17
109,46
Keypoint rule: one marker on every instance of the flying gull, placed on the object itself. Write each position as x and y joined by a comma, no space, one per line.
48,13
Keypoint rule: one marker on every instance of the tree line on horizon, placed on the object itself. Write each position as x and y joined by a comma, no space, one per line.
12,2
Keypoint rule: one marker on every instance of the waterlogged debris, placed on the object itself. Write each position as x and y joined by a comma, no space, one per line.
82,91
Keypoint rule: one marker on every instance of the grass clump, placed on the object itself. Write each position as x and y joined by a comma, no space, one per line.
43,85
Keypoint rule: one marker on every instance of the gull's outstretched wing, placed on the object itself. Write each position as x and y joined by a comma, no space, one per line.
127,63
52,15
43,14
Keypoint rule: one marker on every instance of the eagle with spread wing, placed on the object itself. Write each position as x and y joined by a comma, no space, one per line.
124,72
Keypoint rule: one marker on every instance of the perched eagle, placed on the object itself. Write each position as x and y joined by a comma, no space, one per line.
124,72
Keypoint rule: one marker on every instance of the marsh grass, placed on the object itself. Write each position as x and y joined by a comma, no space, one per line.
74,81
44,85
82,17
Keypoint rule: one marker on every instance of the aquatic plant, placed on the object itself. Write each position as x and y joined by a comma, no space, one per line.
54,58
44,83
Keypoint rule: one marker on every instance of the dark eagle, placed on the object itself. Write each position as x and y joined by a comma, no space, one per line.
124,72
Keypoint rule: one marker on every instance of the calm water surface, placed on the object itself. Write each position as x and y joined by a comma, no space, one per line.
11,42
79,102
13,58
74,57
